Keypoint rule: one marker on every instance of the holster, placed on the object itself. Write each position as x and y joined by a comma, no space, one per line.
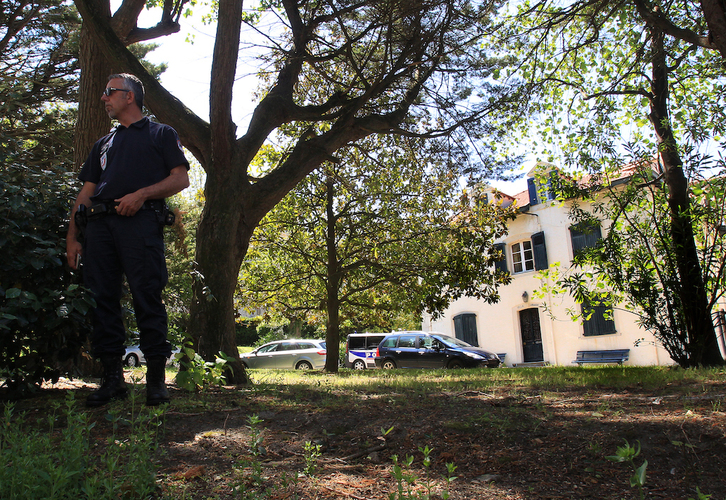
81,219
102,208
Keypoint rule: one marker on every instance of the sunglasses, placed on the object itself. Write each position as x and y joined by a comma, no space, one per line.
107,91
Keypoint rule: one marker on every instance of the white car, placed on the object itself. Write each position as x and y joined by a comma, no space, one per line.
134,357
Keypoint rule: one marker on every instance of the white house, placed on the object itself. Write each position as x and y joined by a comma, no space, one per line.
538,331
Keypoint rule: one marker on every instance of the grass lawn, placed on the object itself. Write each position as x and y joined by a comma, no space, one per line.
530,433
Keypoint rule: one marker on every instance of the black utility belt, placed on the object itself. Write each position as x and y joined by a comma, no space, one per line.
102,208
109,207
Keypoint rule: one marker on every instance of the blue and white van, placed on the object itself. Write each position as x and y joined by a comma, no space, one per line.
360,350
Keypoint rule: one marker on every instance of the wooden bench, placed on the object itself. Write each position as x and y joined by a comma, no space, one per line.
618,356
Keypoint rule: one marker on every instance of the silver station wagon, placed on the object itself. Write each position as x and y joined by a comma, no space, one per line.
291,354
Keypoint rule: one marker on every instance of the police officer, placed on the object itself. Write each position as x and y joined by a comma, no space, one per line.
126,178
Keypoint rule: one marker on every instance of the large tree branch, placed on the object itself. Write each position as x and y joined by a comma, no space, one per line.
224,68
137,35
125,18
655,18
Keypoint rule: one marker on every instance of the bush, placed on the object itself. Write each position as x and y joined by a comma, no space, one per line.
246,332
268,332
43,321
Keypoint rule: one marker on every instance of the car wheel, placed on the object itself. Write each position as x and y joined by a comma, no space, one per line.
388,364
132,360
359,364
304,365
455,364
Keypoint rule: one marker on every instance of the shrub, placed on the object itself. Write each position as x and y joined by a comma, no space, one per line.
246,331
43,321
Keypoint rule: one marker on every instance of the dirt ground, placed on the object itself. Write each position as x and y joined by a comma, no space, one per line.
505,444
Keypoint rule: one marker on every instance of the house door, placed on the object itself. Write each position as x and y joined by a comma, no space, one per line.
531,335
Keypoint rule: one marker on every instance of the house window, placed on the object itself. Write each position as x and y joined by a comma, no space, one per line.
528,255
584,236
465,328
541,190
597,317
522,257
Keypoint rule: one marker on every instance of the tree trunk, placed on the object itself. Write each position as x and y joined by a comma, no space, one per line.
220,251
93,122
714,11
332,331
702,343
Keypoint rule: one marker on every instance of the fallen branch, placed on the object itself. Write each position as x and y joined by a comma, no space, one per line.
346,495
364,452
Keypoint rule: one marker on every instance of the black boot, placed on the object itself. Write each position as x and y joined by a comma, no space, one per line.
156,392
112,383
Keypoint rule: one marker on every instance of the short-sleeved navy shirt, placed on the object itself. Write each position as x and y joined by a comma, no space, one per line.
132,158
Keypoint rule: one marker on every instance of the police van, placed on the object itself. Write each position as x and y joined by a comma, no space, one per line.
360,350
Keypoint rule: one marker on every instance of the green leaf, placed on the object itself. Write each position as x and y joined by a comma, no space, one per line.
638,478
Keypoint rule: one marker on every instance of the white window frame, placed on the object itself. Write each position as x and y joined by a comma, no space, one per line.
525,255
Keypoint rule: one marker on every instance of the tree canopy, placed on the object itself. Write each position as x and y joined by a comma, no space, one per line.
38,80
385,230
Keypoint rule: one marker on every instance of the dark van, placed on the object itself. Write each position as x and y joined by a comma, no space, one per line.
431,350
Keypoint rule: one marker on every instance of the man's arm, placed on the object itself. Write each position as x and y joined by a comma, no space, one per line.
73,246
176,181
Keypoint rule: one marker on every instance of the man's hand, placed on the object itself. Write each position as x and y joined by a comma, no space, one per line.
130,204
175,182
74,250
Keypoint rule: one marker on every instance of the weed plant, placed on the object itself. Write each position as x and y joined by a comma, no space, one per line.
409,486
61,461
628,454
311,453
50,464
250,483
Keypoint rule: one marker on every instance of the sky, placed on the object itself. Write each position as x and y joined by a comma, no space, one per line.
189,68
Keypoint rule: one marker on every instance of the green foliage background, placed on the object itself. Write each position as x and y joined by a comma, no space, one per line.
43,310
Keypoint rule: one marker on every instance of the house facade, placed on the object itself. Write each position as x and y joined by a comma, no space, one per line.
536,330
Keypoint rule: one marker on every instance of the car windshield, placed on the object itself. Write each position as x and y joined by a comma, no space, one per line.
451,341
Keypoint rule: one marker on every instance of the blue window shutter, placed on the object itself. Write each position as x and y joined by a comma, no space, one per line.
465,328
583,237
501,264
598,324
540,251
578,241
532,188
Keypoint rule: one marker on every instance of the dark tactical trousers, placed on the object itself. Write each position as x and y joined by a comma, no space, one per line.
116,245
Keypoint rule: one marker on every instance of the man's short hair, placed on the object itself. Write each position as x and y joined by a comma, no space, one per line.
132,83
